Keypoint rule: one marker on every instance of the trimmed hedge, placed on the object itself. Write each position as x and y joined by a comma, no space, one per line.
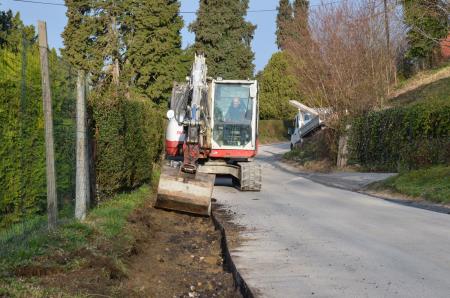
22,166
22,152
403,138
128,131
273,131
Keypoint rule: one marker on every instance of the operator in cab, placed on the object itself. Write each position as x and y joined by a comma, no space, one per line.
235,112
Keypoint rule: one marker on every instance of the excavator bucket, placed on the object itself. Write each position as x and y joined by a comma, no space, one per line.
179,191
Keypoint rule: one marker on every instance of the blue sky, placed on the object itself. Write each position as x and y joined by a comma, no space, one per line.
263,43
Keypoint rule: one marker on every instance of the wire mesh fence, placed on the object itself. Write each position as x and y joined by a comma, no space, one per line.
22,144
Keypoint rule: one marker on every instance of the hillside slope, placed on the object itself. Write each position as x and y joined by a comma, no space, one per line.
433,84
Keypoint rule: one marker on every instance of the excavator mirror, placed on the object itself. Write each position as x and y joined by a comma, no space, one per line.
170,114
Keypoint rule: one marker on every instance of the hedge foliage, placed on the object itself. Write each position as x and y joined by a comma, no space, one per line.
271,131
276,88
128,130
22,151
403,138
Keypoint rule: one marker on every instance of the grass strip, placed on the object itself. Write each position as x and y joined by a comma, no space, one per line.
432,184
21,244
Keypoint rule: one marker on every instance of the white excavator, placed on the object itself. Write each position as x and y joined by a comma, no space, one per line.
212,130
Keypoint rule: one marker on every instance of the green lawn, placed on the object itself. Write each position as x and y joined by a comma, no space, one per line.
31,244
432,184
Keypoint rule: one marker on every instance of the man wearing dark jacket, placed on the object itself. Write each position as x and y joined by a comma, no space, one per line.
235,112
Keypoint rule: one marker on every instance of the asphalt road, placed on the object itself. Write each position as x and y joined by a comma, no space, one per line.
305,239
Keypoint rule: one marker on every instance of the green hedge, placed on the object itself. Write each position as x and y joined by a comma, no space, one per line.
404,138
274,131
128,139
22,152
22,167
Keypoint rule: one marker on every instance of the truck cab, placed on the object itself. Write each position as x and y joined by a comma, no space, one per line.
307,121
300,120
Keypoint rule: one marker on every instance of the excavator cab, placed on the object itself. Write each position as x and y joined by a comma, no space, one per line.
233,116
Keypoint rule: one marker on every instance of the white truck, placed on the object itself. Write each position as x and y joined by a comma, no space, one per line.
306,121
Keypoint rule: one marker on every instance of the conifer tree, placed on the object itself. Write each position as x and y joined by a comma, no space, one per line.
428,23
13,32
299,29
301,7
284,17
82,36
224,36
153,46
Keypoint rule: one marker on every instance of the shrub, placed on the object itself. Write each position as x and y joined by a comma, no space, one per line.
276,88
128,132
273,130
321,146
403,138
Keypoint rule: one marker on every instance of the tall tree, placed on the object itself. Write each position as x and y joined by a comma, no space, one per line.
284,17
133,42
299,28
301,7
428,24
83,36
13,32
153,46
223,34
277,87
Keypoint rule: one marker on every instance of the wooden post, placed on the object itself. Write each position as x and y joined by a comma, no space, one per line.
52,200
82,175
342,158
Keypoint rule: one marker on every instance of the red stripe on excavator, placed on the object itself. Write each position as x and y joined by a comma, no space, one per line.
172,147
232,153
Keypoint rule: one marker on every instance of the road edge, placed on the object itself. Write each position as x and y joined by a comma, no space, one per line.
240,283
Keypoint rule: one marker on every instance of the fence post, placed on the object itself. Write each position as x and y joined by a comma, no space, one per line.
342,158
82,175
52,201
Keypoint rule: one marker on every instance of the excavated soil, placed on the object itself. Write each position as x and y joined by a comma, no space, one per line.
171,255
178,255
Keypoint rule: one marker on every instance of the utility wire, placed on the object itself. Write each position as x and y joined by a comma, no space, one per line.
181,12
40,2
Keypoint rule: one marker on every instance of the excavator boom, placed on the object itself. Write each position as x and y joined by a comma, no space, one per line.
181,187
